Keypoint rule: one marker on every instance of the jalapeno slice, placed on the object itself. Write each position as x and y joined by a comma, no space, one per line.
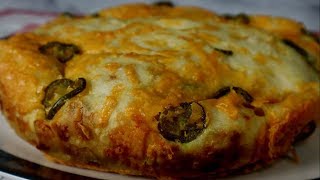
6,37
183,123
225,90
243,93
306,131
240,18
70,15
225,52
221,92
61,51
308,57
297,48
58,92
95,15
311,35
164,3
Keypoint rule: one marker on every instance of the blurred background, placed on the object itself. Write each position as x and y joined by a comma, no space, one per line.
306,11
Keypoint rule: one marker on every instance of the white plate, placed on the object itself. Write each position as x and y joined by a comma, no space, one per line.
307,168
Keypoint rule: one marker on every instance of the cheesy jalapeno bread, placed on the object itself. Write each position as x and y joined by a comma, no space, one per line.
162,91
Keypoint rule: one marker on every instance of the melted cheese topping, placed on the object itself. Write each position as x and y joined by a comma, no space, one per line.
185,51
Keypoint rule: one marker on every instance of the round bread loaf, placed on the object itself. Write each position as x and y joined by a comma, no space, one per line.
162,91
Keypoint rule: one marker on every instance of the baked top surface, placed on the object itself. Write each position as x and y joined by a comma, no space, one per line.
137,64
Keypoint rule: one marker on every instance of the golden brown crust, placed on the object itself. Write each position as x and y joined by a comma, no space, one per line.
140,60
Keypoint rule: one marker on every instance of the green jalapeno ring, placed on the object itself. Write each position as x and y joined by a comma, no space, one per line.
221,92
309,59
226,90
311,35
52,88
243,93
182,123
241,18
80,85
61,51
164,3
225,52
